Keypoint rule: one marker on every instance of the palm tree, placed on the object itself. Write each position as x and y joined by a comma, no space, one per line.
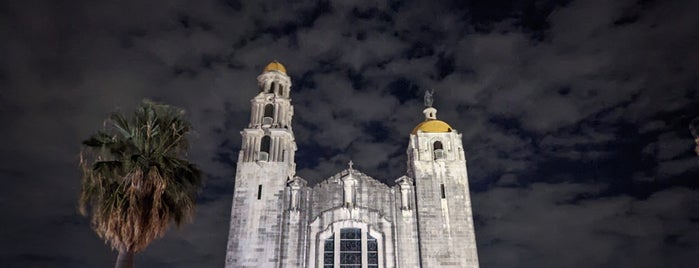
136,179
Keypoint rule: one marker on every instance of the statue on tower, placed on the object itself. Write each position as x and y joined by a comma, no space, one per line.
428,97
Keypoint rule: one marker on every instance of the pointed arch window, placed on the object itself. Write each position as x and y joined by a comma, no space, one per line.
438,150
272,86
264,148
268,117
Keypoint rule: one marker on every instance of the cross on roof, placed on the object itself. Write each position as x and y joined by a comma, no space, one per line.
350,164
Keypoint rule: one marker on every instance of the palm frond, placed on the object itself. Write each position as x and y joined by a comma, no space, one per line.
136,179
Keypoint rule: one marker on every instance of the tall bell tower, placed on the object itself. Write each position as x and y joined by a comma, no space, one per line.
437,164
265,165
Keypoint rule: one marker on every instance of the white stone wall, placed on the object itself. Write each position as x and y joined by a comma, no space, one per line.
371,208
370,194
282,115
266,79
261,221
294,233
427,232
256,224
405,225
445,223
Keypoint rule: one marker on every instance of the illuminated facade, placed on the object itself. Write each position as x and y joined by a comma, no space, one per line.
349,219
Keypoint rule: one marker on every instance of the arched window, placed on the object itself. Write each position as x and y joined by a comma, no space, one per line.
438,150
268,118
279,90
271,87
264,148
350,249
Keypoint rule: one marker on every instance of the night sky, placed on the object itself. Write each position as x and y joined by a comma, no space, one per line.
574,114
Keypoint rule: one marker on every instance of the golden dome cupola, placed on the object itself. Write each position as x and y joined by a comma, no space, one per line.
432,126
275,80
275,66
431,123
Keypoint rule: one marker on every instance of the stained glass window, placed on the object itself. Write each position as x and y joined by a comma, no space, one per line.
372,252
329,253
350,249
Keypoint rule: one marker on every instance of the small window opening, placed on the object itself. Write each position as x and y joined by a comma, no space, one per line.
438,150
444,194
279,89
269,110
269,114
259,192
264,148
438,145
272,87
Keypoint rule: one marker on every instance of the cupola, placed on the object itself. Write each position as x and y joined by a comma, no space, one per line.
275,66
431,123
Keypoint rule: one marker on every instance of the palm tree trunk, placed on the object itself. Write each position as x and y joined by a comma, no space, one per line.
125,259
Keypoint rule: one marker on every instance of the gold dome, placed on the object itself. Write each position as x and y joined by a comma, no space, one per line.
432,125
275,66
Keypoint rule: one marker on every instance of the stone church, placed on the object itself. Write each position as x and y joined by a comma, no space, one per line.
350,219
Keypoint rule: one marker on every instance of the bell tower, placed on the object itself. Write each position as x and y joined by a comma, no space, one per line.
265,165
437,164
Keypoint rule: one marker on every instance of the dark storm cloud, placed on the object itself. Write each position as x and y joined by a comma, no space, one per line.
573,114
569,225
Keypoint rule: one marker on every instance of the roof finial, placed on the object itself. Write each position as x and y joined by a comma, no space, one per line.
428,97
350,164
430,112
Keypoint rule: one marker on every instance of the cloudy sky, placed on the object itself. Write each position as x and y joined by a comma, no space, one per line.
574,114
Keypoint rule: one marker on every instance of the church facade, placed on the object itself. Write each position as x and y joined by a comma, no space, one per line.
350,219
